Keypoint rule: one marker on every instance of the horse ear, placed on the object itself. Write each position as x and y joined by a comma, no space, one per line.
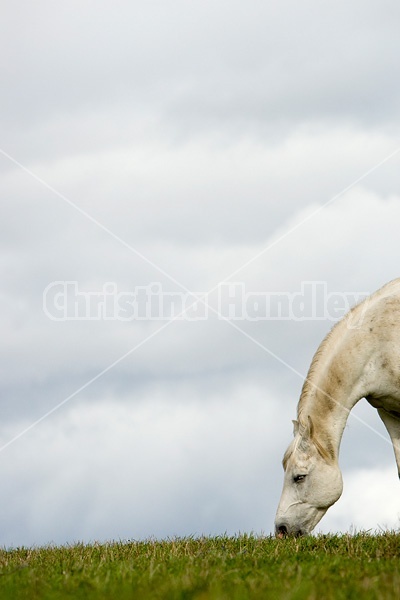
310,427
306,429
295,427
325,450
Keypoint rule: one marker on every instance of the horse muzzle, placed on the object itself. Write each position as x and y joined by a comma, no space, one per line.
282,530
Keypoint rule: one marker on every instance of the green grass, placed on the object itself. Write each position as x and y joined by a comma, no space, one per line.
231,568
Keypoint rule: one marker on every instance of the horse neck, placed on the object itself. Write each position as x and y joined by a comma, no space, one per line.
334,384
344,367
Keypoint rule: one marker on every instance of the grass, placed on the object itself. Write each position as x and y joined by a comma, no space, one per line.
231,568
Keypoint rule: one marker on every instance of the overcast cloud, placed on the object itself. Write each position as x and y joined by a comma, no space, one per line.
181,145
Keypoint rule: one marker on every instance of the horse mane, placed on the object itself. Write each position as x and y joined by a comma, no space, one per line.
308,384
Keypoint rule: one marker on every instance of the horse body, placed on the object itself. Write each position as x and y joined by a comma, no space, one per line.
359,358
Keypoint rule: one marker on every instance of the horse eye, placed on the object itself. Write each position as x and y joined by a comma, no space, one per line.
298,478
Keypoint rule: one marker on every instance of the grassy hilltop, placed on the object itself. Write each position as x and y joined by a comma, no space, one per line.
231,568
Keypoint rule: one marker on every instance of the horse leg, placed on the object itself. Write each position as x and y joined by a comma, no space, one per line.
392,424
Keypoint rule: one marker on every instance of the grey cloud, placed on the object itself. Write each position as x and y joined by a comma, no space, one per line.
205,65
75,350
191,195
201,137
91,489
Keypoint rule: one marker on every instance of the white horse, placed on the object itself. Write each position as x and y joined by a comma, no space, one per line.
359,358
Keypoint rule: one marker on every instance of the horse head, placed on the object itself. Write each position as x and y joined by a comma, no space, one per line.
312,482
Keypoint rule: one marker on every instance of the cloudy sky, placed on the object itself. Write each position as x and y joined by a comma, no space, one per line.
156,149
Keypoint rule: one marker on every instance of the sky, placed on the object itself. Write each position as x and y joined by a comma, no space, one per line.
155,150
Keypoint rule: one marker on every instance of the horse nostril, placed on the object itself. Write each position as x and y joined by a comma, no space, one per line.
281,531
